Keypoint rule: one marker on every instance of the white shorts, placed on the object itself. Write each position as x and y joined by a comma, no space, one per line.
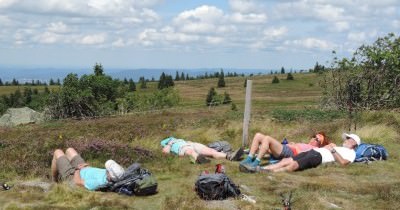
197,147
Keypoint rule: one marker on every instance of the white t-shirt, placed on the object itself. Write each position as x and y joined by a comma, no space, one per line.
346,153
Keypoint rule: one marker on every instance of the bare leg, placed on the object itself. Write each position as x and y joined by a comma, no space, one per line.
213,153
289,168
71,153
286,164
191,152
57,154
268,144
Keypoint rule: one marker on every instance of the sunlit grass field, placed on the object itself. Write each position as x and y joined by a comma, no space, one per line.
25,152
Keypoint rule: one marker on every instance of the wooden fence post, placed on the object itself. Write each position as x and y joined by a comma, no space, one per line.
247,110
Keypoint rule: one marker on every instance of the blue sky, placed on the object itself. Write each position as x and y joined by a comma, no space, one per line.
189,34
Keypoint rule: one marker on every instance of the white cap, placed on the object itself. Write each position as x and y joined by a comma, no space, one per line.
352,136
114,170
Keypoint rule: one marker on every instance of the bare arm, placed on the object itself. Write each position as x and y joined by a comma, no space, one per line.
337,156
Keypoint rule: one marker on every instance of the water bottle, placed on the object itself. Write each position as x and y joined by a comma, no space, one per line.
220,169
6,186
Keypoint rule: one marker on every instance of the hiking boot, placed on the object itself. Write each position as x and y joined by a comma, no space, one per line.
202,159
248,160
235,155
262,170
247,168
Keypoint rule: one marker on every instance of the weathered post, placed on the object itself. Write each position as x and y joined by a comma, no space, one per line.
247,110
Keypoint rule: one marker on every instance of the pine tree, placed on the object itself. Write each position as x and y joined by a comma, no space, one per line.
142,82
210,96
98,69
1,82
289,77
275,80
221,79
227,98
132,85
161,82
187,76
51,82
177,78
282,70
182,76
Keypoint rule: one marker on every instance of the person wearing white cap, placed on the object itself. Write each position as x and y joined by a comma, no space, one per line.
331,153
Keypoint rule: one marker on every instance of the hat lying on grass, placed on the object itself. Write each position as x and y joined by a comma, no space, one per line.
114,170
352,136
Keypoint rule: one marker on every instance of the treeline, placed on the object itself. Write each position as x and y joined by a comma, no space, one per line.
15,82
91,95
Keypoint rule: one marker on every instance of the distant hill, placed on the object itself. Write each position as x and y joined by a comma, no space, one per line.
45,74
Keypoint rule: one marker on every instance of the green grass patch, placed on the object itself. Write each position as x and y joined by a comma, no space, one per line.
308,115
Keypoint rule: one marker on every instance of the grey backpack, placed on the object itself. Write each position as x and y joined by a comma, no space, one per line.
220,146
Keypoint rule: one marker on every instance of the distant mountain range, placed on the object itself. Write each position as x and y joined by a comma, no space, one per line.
45,74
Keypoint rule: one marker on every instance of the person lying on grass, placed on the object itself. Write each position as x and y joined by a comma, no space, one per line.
197,152
264,144
331,153
70,166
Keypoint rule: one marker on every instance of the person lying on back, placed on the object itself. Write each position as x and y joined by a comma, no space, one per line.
264,144
196,151
70,166
331,153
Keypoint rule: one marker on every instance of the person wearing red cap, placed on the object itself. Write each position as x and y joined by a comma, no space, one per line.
264,144
331,153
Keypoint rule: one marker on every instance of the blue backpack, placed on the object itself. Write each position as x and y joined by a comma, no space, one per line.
370,152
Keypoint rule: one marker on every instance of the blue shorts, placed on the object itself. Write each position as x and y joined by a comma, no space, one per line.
286,152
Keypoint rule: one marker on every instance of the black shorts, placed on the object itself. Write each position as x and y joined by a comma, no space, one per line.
309,159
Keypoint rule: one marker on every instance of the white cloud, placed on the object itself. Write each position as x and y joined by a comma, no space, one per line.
5,20
244,6
47,38
214,40
57,27
311,43
249,18
203,13
119,43
357,36
341,26
93,39
275,32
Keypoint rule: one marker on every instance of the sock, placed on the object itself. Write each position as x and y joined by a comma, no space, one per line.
250,156
257,161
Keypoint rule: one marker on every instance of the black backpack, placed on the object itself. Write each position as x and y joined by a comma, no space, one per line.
220,146
216,187
134,181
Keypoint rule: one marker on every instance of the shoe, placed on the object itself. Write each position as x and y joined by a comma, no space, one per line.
247,160
262,170
247,168
114,170
201,159
236,155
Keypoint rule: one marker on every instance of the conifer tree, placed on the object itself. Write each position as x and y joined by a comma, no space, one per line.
132,85
221,79
211,96
289,77
282,70
275,80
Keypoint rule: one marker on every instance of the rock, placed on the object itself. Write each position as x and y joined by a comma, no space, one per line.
19,116
45,186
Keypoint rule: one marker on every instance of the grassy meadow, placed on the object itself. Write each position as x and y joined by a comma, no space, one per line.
288,109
